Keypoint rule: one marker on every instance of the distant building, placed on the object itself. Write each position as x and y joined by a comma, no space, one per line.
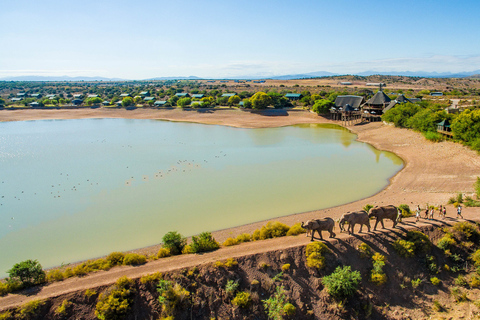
228,95
123,95
353,101
181,94
198,95
36,95
34,104
77,96
293,96
375,105
436,94
50,96
159,103
144,93
21,94
375,84
77,102
92,96
106,103
16,99
346,83
149,98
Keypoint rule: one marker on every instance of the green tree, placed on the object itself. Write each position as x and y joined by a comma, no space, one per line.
137,100
174,241
127,101
400,114
342,283
234,100
92,101
247,104
466,126
222,101
260,100
207,102
322,106
2,101
28,272
183,102
173,100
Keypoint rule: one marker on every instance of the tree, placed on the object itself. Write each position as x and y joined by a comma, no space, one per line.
92,101
127,101
137,100
322,106
260,100
174,241
207,101
466,126
234,100
247,104
183,102
28,272
222,101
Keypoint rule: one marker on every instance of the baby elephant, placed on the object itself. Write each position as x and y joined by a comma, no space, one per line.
318,225
352,218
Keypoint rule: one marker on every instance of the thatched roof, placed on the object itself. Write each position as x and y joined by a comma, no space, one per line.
353,101
402,99
392,104
380,98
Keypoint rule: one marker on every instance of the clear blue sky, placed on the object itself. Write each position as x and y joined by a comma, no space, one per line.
221,38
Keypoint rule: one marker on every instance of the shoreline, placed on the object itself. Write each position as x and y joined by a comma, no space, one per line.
427,176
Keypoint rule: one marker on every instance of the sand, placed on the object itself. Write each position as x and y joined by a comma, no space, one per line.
433,173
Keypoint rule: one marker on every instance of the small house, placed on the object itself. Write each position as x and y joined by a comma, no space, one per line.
159,103
198,96
149,98
346,83
353,101
123,95
92,96
181,94
436,94
36,95
34,104
106,103
444,126
228,95
50,96
16,99
77,102
119,103
21,95
144,93
77,96
293,96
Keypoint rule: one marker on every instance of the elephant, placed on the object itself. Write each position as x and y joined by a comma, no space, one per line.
318,225
360,217
387,212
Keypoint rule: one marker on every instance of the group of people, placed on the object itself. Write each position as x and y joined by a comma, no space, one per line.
429,213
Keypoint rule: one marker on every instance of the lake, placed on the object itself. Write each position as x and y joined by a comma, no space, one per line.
77,189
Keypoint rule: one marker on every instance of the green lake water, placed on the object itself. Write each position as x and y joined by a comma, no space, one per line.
78,189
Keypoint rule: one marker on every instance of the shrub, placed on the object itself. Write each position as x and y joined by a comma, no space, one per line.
244,237
230,242
231,287
461,281
164,252
465,231
367,207
230,263
271,230
171,296
242,299
204,242
475,257
115,258
115,303
342,283
30,309
4,289
474,282
187,249
286,267
64,308
476,186
435,281
437,306
89,293
289,309
365,250
433,136
458,295
378,278
152,277
447,242
174,241
405,210
68,273
7,315
54,275
134,259
404,248
28,272
314,252
420,239
274,306
295,230
416,283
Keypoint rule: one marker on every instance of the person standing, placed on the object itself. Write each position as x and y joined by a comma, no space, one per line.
399,215
459,211
432,211
444,212
440,211
417,214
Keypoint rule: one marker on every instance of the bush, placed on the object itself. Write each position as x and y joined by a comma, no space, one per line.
171,296
7,315
274,306
4,289
242,299
476,186
289,309
314,253
342,283
64,308
365,250
465,231
89,293
174,241
475,257
230,242
367,207
405,210
230,263
474,282
404,248
286,267
244,237
187,249
435,281
134,259
115,258
115,303
54,275
271,230
204,243
461,281
433,136
416,283
420,239
30,309
295,230
378,278
447,242
152,277
231,287
163,253
28,272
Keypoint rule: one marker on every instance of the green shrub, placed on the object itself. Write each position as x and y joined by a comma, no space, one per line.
435,281
89,293
314,252
404,248
231,287
7,315
30,309
461,281
80,270
437,306
64,308
164,252
4,288
187,249
405,210
295,230
54,275
416,283
115,258
476,186
367,207
378,278
342,283
244,237
286,267
242,299
274,306
289,309
465,231
28,273
474,281
458,295
475,257
447,242
420,239
152,277
204,243
271,230
432,265
365,250
171,296
230,242
433,136
174,241
98,264
115,302
230,263
469,202
134,259
68,273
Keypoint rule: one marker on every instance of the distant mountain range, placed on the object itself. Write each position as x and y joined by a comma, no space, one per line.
423,74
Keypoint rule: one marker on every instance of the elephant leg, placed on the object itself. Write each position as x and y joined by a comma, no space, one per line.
332,234
368,226
383,226
320,233
375,227
394,223
353,228
361,227
313,232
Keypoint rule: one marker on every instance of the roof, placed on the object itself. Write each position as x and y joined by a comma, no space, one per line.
228,94
436,93
106,102
50,95
16,99
380,98
35,103
77,95
198,95
160,102
125,95
444,123
392,104
181,94
354,101
293,95
144,92
21,94
149,98
93,95
35,95
402,99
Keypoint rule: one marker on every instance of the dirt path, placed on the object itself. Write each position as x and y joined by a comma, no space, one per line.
433,173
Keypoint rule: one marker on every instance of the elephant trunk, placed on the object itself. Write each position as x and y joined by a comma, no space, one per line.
302,225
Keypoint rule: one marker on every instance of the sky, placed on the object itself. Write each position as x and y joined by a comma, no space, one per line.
221,38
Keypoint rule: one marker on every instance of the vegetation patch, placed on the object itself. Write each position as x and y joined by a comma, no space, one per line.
204,242
342,283
242,299
116,301
271,230
315,252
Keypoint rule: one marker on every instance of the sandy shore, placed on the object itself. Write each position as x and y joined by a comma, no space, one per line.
433,171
